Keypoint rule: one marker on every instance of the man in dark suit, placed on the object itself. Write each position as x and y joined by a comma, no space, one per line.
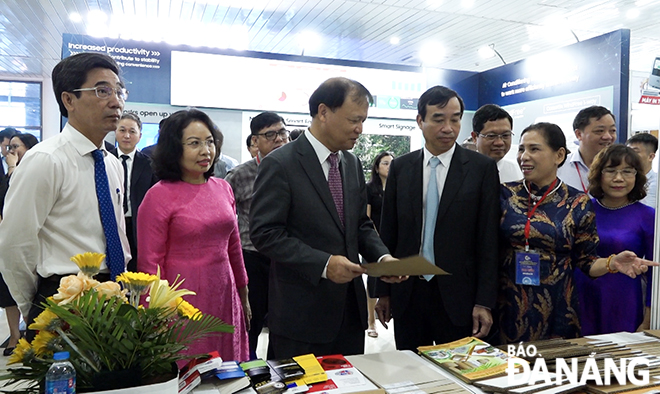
138,176
441,202
308,215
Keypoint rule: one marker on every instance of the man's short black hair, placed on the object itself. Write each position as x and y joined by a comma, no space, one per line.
134,118
71,73
488,113
168,152
583,118
8,133
437,95
334,91
263,120
248,141
646,139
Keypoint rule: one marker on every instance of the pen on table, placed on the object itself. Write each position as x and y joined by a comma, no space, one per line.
118,196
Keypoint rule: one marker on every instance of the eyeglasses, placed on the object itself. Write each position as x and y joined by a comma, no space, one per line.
271,135
626,173
104,92
493,137
196,144
14,146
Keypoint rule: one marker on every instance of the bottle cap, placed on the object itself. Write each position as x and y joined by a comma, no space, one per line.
61,356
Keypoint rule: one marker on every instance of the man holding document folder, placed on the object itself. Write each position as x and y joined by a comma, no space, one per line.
441,202
309,216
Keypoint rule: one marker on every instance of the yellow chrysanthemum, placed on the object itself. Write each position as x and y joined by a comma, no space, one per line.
137,284
46,320
188,311
162,294
45,343
23,352
137,281
89,263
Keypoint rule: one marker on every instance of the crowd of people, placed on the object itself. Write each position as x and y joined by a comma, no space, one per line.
558,244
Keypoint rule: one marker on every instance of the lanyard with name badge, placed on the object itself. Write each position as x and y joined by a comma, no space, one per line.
528,262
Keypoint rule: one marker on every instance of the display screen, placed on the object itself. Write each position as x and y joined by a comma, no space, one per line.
284,86
149,135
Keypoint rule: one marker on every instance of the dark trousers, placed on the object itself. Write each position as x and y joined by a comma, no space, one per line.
425,320
46,288
132,241
349,340
258,267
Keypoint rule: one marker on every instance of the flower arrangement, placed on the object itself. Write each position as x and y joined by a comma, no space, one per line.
105,329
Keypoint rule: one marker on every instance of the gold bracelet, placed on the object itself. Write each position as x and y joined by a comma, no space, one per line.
609,260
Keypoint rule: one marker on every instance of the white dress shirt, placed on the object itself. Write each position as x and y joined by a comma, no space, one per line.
441,172
509,171
129,171
575,172
651,189
52,213
323,153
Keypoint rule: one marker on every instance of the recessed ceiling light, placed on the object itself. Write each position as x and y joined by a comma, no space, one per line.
486,52
632,13
75,17
525,48
431,53
309,39
394,40
97,16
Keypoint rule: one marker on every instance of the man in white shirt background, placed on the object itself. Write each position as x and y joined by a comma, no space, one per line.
138,176
595,128
646,145
492,132
52,210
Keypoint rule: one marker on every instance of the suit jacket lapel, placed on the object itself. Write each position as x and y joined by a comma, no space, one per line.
310,164
455,178
139,166
414,173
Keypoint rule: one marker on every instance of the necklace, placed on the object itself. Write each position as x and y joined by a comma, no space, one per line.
536,198
615,208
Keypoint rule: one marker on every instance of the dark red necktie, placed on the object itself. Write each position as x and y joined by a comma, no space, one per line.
336,189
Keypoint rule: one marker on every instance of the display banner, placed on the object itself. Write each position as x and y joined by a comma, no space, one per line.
591,64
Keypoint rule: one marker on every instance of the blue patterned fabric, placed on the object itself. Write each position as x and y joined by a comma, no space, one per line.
563,232
114,253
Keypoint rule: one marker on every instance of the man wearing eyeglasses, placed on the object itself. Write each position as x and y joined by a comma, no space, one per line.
492,132
66,196
268,132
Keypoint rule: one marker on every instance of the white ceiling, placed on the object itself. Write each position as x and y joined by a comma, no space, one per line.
31,30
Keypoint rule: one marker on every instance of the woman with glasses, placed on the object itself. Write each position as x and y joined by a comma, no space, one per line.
616,302
187,226
18,145
548,231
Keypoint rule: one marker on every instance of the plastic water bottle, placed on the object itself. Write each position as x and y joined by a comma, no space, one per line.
61,376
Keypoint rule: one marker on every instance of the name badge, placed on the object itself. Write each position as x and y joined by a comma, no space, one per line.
528,268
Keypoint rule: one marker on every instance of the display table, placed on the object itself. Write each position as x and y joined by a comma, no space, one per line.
398,372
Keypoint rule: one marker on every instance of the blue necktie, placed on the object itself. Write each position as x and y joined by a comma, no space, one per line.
432,202
114,253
